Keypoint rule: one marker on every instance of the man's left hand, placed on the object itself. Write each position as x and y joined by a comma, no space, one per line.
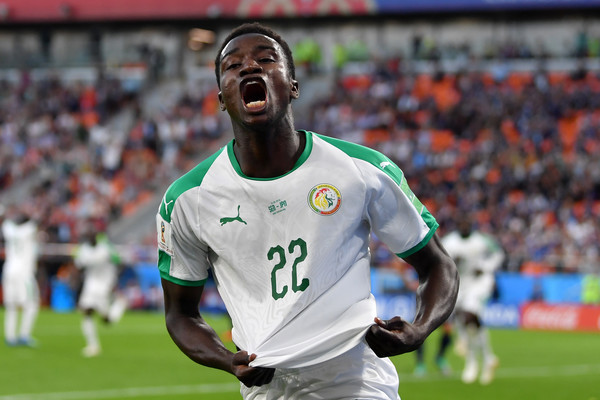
392,337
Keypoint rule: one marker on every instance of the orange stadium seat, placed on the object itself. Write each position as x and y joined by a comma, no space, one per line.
423,86
556,77
444,93
536,268
518,80
493,176
516,196
374,136
441,140
568,128
488,79
510,132
210,104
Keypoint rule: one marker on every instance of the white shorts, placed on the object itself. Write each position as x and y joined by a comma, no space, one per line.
20,291
357,374
474,293
96,296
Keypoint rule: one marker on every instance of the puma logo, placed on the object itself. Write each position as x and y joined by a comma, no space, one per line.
226,220
384,164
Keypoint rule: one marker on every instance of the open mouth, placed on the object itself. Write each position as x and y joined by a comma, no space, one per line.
254,95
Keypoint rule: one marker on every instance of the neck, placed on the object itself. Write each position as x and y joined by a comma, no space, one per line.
268,154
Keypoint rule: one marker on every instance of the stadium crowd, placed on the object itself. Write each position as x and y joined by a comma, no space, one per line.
517,149
81,166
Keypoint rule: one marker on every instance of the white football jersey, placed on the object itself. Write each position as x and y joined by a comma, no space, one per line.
290,254
476,252
21,249
99,262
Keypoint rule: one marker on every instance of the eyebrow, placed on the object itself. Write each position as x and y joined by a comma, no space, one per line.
229,53
258,47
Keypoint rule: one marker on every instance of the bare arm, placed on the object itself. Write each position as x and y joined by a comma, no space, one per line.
436,297
200,342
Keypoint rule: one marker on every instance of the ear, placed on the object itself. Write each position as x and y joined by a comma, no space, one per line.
295,92
221,104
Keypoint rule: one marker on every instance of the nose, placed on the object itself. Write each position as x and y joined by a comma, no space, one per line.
250,66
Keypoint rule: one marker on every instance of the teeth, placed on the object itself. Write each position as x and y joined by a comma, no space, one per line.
255,104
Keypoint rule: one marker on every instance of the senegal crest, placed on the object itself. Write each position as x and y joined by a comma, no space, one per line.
325,199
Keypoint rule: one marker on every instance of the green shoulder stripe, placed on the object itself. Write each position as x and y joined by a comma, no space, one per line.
191,179
381,162
369,155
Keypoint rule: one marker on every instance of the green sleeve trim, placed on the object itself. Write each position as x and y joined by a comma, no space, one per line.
164,261
181,282
433,225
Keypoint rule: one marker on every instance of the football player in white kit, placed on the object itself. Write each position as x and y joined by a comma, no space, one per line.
477,256
19,283
99,261
282,219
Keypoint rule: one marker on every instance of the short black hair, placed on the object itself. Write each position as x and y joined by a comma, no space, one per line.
255,27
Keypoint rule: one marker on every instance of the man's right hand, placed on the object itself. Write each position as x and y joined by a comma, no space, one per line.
250,376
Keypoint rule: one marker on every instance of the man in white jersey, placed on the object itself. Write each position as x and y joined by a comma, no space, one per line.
100,264
282,219
477,256
19,283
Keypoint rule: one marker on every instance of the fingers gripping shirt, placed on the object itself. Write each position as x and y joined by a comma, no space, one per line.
290,254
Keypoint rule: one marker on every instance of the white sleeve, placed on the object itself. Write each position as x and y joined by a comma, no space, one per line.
396,215
182,257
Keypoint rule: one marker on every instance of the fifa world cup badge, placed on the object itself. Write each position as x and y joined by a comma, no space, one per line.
164,235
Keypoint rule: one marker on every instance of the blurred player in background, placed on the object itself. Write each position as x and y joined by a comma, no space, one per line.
100,264
477,256
440,357
289,257
19,283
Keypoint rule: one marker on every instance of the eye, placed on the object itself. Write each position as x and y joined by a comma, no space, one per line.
232,66
267,60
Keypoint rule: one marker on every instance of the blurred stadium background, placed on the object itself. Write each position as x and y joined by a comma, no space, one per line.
488,106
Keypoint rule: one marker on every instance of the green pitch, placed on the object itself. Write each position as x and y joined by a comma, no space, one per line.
139,361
